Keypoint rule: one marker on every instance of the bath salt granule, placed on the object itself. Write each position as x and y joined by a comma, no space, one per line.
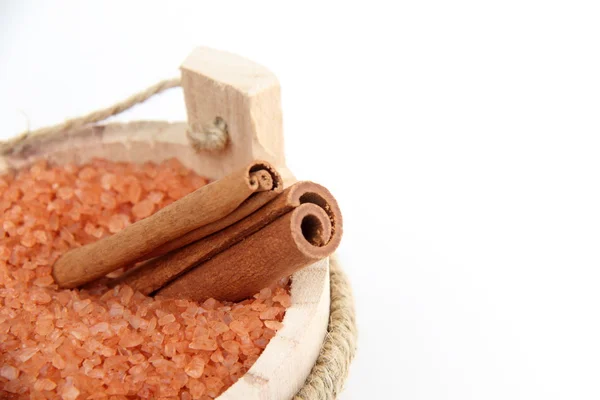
98,342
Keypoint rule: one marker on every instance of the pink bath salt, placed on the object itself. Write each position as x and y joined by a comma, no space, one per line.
197,388
40,297
270,313
217,356
58,362
203,343
9,372
69,391
118,222
126,295
135,191
218,327
87,173
275,325
264,294
213,386
284,299
231,346
5,252
143,209
44,281
100,342
171,328
238,327
44,327
166,319
28,240
156,197
80,331
41,236
131,340
107,181
44,384
195,368
65,193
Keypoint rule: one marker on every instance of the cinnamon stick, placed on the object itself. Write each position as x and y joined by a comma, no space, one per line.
291,242
249,206
202,208
156,273
151,275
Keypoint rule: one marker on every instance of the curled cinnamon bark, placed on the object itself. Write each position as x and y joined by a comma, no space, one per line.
203,208
249,206
299,227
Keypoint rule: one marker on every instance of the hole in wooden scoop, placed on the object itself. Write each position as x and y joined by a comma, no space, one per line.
220,123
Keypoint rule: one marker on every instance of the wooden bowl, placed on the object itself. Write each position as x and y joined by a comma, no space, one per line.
287,360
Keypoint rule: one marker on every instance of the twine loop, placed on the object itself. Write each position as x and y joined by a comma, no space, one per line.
211,138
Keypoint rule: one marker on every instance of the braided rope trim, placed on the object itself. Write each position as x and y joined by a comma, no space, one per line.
327,378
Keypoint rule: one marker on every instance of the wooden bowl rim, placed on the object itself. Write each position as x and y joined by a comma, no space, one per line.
286,362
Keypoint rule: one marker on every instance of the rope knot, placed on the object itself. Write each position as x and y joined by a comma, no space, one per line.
213,137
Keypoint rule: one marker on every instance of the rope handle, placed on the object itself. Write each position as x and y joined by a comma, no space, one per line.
212,138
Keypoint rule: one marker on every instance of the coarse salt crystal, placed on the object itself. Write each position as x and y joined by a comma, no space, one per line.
264,294
156,197
238,327
217,356
131,340
219,327
126,295
69,391
275,325
87,173
41,236
135,191
80,305
118,326
180,360
44,281
44,327
26,354
270,313
58,362
80,332
166,319
116,310
151,326
65,193
9,372
44,384
197,388
117,222
213,385
4,252
171,328
231,346
203,343
195,368
261,342
143,209
284,299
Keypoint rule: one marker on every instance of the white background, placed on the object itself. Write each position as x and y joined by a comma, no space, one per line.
461,139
